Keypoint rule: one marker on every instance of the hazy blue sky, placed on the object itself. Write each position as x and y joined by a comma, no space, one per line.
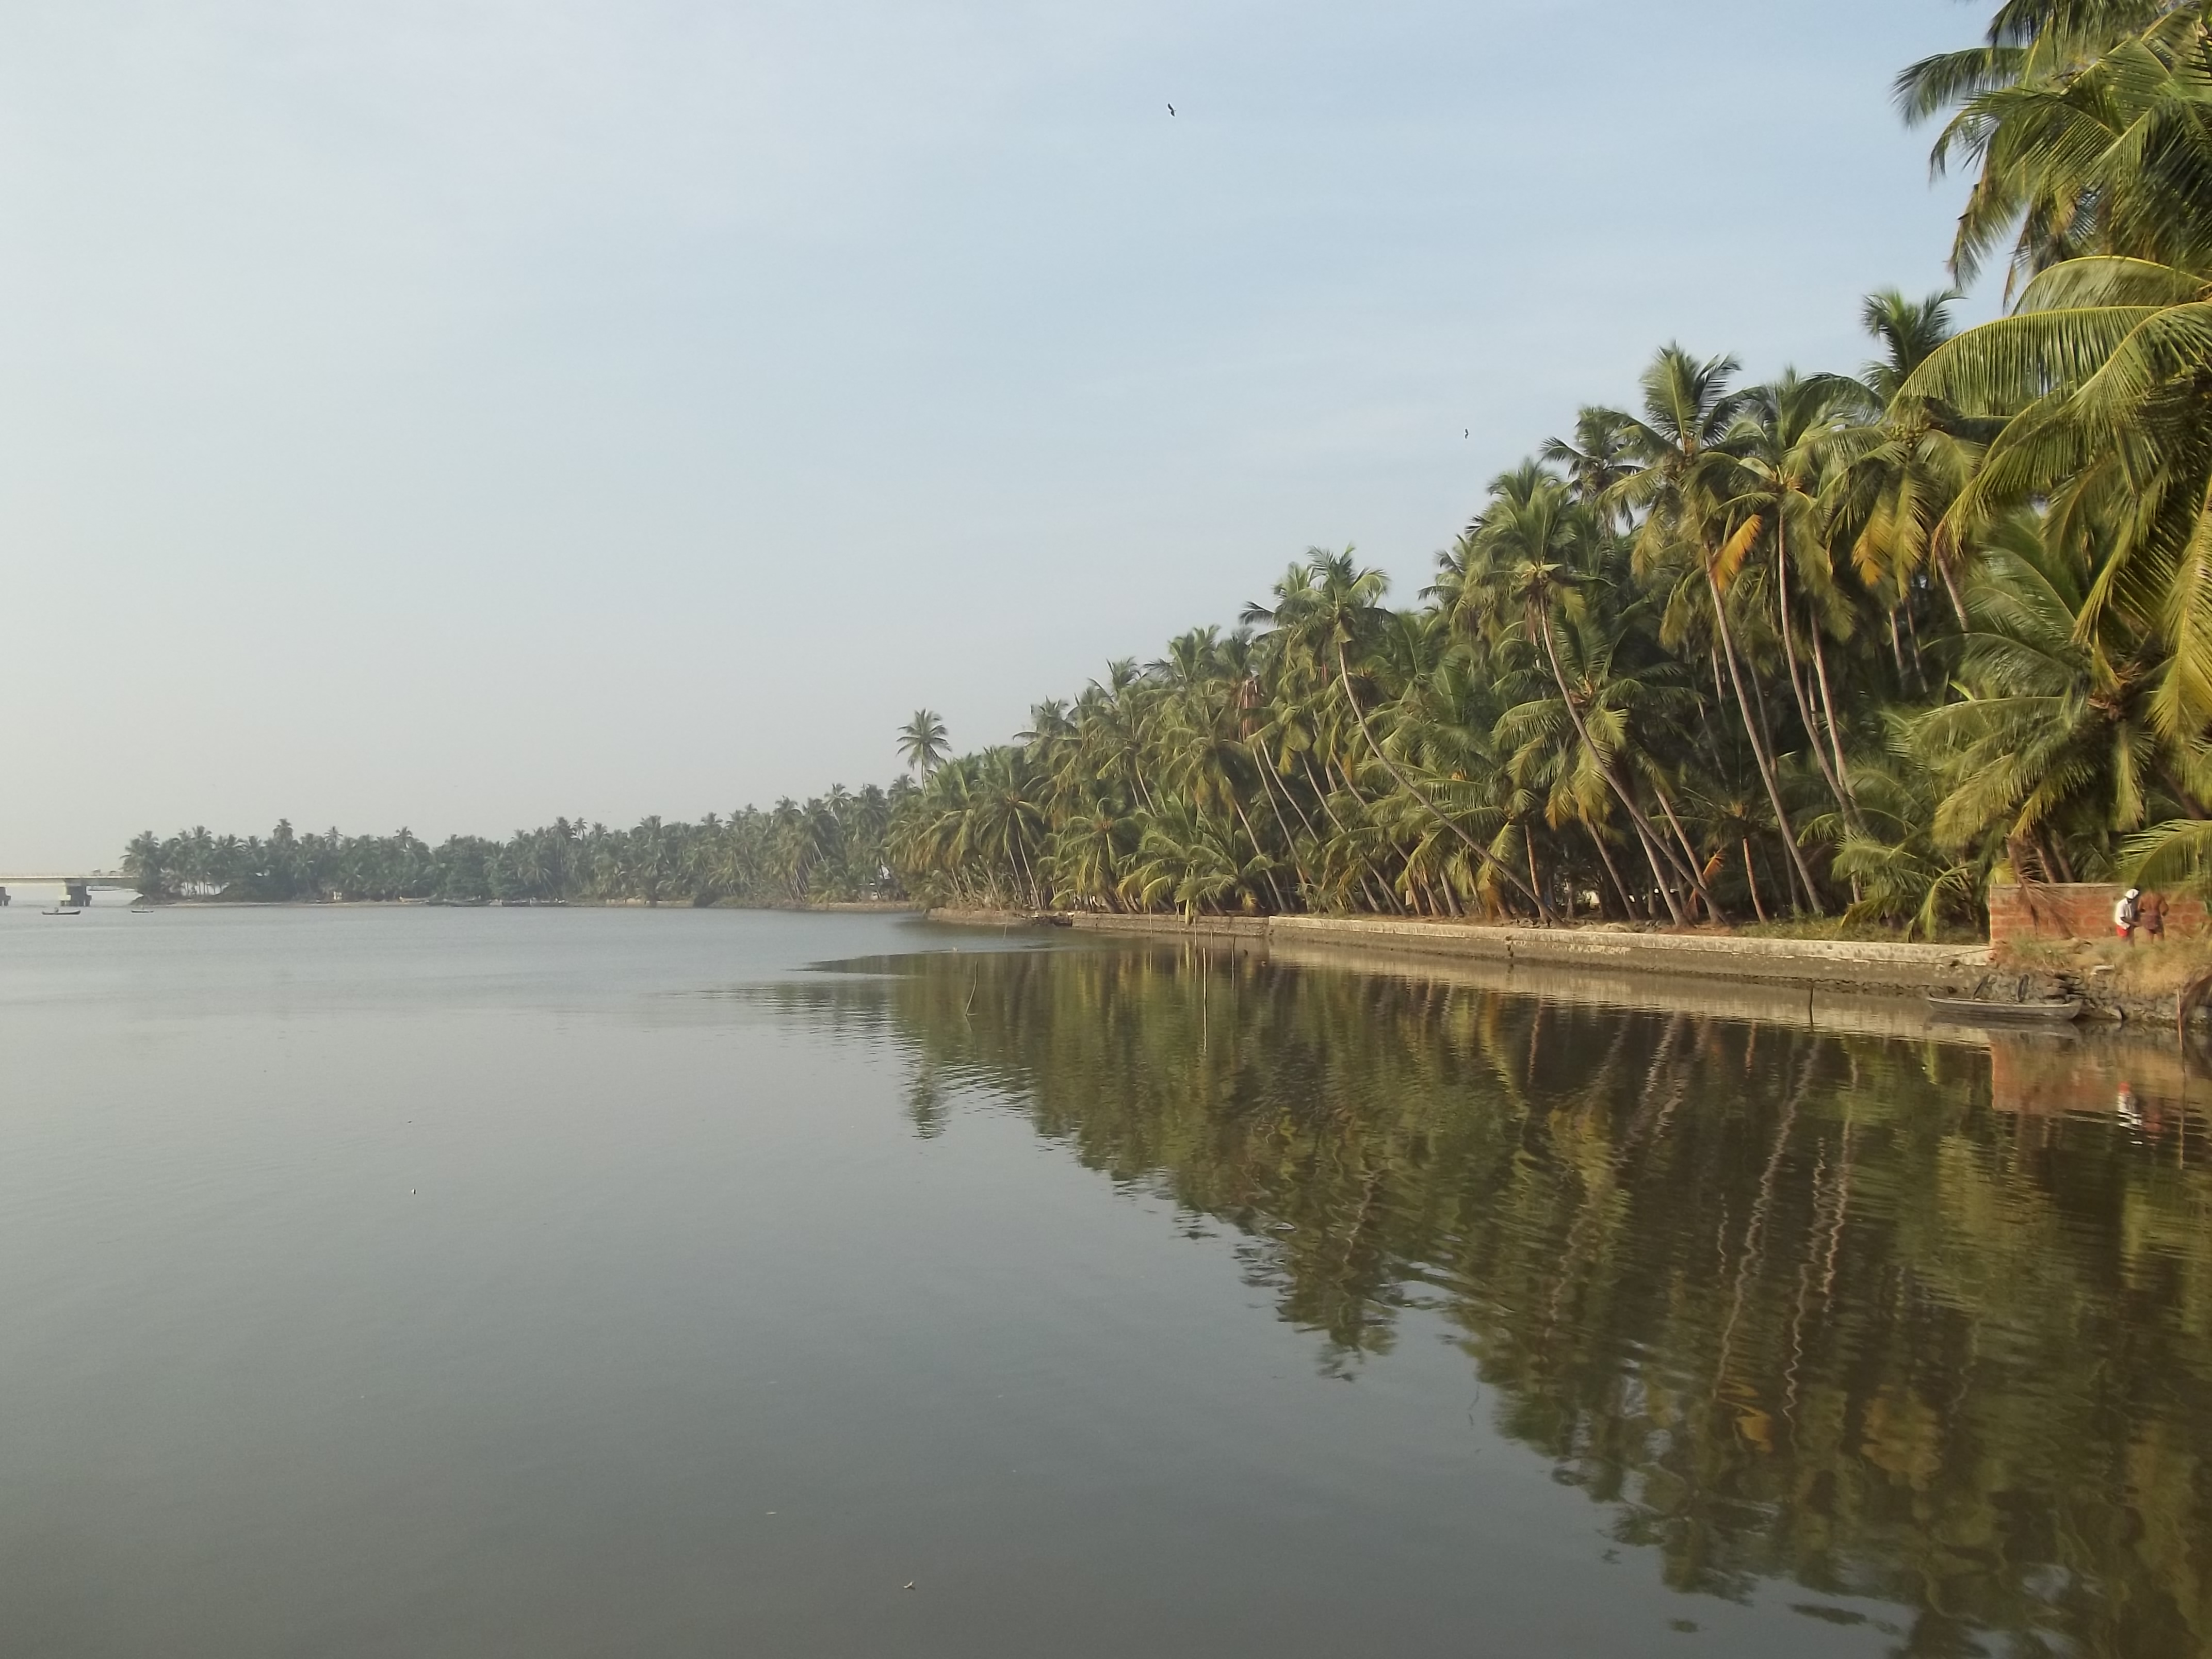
460,412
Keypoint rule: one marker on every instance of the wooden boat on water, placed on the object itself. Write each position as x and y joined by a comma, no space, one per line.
2006,1014
64,910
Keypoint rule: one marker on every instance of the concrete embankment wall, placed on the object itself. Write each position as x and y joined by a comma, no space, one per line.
1837,964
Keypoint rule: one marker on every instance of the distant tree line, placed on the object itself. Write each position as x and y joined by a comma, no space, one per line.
827,849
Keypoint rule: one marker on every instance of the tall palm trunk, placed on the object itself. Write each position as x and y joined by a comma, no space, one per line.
1844,801
1765,761
1828,707
1504,872
1751,878
1821,758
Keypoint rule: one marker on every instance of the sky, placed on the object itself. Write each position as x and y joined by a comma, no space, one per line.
459,413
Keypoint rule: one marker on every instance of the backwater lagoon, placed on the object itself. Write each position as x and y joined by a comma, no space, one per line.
562,1282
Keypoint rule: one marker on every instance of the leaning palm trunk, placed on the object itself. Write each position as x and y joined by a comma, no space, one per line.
1258,851
1028,875
1620,886
1951,586
1503,872
1304,817
1370,879
1343,835
1765,762
1542,619
1682,839
1651,851
1655,850
1290,841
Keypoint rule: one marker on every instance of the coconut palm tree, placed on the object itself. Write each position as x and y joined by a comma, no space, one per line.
1323,618
2056,744
1537,550
1682,450
2086,121
1892,481
1780,451
2100,378
922,740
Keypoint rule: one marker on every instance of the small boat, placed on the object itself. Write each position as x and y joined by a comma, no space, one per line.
64,910
1991,1013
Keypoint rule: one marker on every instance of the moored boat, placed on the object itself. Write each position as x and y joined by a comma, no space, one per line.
2037,1013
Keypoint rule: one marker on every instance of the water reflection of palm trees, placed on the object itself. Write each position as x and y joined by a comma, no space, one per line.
1793,1306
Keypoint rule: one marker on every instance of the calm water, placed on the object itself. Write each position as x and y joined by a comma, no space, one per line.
572,1283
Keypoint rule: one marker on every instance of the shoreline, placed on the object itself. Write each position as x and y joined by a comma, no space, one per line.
831,907
1836,965
1866,986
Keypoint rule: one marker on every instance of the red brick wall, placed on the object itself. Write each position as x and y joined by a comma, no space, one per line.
2077,910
